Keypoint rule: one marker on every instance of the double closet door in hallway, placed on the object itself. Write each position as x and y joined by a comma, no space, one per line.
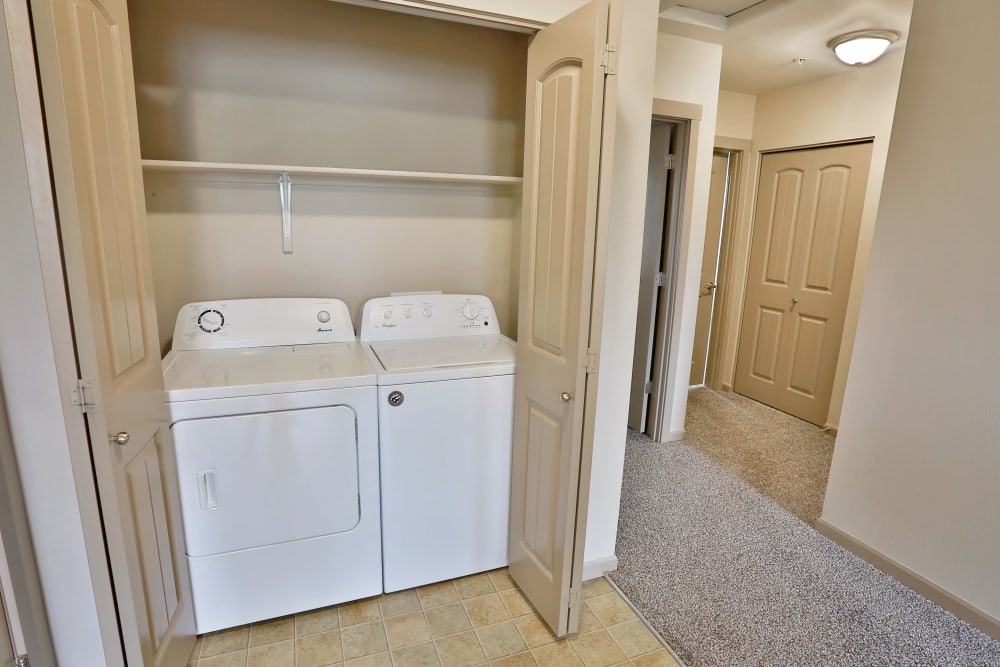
805,237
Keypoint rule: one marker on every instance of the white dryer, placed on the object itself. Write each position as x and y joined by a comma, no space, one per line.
273,410
446,395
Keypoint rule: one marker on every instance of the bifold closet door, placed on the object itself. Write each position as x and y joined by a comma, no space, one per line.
569,124
85,68
805,237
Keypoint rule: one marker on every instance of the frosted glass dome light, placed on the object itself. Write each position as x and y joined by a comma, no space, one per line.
862,47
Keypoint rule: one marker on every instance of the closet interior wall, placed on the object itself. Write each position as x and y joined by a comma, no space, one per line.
314,83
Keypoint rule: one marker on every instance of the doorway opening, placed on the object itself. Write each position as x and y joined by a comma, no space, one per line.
670,140
713,293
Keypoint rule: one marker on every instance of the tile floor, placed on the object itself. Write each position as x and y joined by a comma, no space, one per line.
478,620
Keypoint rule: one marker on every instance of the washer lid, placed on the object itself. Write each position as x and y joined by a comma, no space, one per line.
474,355
194,375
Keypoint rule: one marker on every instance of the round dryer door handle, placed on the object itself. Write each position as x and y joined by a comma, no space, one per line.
566,397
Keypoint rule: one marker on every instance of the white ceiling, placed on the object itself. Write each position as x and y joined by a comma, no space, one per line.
762,38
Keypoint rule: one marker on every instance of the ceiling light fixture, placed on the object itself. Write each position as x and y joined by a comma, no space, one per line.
862,46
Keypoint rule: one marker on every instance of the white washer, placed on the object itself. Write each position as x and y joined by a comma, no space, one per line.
446,394
273,410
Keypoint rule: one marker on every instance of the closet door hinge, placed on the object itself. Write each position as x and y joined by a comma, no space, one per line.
660,279
590,360
647,388
609,59
82,395
22,661
669,161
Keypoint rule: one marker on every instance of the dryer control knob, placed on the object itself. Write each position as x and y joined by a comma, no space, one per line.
470,311
323,316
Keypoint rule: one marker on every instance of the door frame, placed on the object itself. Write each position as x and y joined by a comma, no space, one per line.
666,339
48,431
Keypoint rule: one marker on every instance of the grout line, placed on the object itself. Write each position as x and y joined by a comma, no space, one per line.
642,618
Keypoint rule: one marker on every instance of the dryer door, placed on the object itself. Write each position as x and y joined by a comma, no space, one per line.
259,479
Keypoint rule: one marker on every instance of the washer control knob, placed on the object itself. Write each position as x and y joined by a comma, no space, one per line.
470,311
387,315
426,310
323,316
395,398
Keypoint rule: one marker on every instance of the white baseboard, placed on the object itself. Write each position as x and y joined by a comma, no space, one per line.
673,436
592,569
939,596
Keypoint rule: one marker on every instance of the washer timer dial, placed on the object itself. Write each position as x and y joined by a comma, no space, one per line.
211,320
470,311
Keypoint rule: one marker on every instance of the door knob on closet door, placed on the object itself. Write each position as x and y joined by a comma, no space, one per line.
711,286
121,439
566,397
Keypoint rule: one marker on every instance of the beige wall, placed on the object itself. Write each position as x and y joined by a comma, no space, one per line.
914,473
853,105
736,115
687,70
320,83
637,61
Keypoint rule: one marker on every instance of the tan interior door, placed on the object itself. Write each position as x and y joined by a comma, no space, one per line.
86,74
710,265
805,238
567,137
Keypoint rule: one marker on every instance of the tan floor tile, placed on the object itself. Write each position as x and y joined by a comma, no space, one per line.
363,639
595,587
560,654
524,659
660,658
517,604
234,659
501,639
418,655
460,650
319,649
534,631
501,580
318,620
375,660
474,586
610,608
395,604
588,621
362,611
196,651
597,649
448,619
486,610
269,632
438,594
280,654
407,629
225,641
634,638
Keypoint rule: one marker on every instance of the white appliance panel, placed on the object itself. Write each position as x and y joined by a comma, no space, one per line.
445,461
212,325
428,316
268,478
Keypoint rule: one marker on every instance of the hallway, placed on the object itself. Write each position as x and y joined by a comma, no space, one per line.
783,457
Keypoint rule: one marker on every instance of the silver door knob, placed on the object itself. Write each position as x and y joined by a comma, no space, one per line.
711,286
121,439
566,397
794,301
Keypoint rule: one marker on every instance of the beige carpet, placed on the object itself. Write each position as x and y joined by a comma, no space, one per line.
783,457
